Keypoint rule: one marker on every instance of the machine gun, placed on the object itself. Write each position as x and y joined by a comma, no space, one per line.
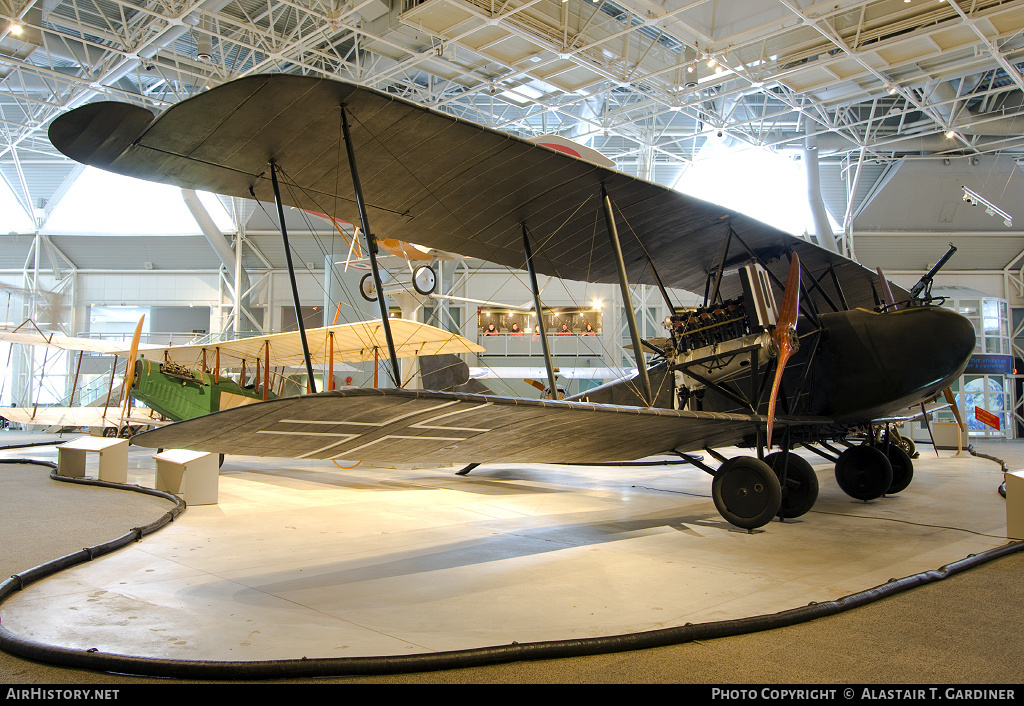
924,285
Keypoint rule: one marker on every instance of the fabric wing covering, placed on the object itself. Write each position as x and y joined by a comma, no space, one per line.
432,179
356,342
67,343
416,426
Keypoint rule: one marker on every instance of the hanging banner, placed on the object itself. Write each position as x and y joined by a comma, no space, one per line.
986,417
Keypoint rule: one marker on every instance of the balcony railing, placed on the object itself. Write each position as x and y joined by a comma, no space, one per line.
529,344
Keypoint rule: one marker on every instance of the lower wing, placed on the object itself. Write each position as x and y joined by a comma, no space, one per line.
73,416
410,426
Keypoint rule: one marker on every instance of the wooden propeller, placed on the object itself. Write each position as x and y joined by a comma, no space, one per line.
129,373
536,383
784,335
951,399
543,388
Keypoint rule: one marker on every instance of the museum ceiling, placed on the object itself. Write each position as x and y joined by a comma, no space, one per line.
649,83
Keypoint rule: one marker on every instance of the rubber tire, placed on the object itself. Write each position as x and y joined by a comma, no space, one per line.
746,492
416,280
366,285
902,469
863,472
908,445
800,491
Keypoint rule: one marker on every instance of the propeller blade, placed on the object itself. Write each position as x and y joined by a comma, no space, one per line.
784,335
129,373
539,385
948,394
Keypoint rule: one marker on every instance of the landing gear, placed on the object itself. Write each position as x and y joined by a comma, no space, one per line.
902,468
367,287
907,444
800,487
891,435
746,492
864,472
424,280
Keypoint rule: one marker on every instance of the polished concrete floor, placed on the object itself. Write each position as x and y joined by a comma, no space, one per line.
308,559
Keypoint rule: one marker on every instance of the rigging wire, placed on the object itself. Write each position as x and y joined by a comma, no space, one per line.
291,186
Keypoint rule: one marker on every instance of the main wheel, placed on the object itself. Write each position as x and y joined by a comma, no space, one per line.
746,492
907,444
800,489
863,472
424,279
367,288
902,469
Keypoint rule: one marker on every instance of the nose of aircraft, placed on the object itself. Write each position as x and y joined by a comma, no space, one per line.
876,364
943,339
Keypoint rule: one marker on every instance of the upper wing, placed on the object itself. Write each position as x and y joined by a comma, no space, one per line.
408,426
67,343
432,179
351,342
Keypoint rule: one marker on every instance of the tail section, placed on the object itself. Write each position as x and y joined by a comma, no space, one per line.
628,393
449,373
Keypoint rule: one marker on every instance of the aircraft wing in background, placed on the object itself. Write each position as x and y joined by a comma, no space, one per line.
356,342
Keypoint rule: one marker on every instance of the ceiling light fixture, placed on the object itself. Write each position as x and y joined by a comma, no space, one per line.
974,198
16,28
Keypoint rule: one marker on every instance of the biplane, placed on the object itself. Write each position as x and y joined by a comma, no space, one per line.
103,417
187,381
830,364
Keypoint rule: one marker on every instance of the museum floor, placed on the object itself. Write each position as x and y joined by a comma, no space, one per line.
311,560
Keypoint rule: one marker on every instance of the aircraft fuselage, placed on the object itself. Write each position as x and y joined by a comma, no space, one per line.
869,365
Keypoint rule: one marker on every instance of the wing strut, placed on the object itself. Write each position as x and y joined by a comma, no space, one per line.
371,246
540,316
627,300
291,276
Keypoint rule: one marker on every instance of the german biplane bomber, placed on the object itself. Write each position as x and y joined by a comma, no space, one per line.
834,362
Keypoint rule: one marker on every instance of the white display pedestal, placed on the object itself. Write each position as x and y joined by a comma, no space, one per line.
113,461
192,475
947,436
1015,504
